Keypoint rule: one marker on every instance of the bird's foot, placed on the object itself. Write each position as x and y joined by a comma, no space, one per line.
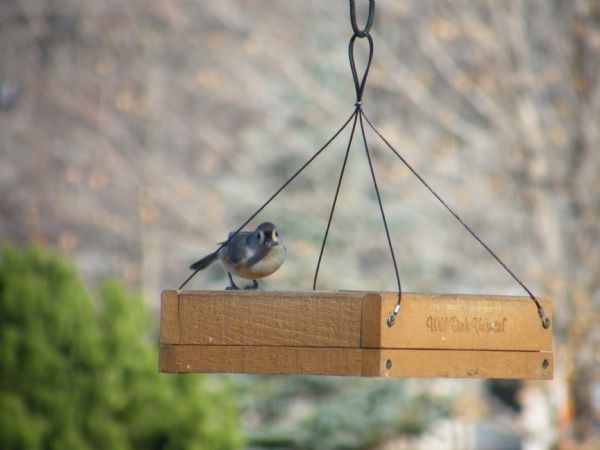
232,286
254,286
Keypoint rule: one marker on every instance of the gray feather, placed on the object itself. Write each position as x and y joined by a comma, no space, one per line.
205,262
237,249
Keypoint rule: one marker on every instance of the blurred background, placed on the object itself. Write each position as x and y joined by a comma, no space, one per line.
134,135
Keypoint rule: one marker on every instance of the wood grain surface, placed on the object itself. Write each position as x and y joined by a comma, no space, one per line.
345,333
354,361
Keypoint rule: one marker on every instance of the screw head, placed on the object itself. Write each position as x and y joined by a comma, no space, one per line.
388,364
545,364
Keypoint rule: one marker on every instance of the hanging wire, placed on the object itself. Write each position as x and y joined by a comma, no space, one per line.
394,313
277,192
359,86
359,92
358,115
542,314
337,191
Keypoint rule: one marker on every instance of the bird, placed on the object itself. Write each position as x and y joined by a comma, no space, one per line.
248,254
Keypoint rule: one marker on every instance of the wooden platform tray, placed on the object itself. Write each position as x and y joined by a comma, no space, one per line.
345,333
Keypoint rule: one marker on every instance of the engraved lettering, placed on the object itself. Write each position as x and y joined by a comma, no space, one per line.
456,324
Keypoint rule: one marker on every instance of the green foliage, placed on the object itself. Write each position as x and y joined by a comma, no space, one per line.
82,374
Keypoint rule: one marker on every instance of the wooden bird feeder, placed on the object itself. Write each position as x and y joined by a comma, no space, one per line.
346,333
354,333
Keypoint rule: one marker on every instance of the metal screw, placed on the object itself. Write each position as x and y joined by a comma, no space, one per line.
388,364
545,363
546,322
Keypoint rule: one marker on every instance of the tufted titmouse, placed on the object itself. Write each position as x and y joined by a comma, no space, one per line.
249,254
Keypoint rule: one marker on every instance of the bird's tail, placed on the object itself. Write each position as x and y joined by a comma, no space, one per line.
205,262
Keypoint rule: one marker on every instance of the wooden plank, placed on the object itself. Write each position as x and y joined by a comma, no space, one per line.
261,359
326,319
355,361
168,358
466,364
466,322
355,319
169,318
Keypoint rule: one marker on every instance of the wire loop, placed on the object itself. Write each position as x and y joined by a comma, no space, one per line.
359,85
365,31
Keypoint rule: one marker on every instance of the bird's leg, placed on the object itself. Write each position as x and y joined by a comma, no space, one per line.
232,286
254,285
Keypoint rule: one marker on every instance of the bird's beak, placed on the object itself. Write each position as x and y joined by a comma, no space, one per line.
271,243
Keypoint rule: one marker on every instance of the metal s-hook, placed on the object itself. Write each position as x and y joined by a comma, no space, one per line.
365,31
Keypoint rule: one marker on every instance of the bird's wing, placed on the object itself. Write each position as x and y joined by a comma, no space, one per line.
231,233
238,247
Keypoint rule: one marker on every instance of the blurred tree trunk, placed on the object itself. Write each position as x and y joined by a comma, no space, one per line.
583,266
564,193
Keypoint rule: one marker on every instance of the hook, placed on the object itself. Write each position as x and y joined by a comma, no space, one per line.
365,31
